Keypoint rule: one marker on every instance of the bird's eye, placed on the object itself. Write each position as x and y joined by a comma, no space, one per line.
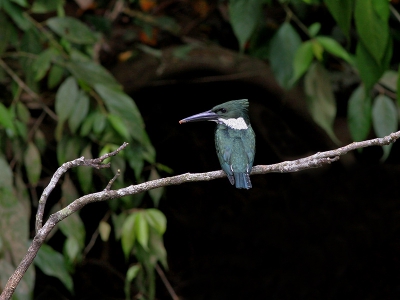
223,110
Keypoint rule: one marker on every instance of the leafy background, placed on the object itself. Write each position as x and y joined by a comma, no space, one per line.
319,74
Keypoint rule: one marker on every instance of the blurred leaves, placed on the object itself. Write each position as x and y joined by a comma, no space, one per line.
72,30
284,45
371,18
384,119
56,59
244,17
341,11
32,163
52,263
320,98
359,114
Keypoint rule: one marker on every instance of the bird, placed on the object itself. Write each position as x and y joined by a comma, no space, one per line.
235,140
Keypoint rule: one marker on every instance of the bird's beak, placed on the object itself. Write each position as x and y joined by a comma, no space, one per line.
204,116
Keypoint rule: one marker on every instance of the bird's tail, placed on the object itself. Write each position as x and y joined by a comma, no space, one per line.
242,180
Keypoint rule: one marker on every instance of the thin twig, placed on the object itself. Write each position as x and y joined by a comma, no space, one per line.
394,12
164,279
26,88
110,183
95,163
95,235
317,160
293,16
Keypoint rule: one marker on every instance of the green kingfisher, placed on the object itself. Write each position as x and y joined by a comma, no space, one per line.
234,139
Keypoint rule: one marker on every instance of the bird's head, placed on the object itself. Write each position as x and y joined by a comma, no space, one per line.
232,113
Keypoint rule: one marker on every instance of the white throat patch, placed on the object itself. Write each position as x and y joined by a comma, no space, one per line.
238,123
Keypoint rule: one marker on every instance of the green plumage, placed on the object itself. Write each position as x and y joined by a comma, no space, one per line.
234,139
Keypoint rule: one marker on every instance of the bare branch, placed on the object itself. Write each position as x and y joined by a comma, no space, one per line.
314,161
108,187
95,163
164,279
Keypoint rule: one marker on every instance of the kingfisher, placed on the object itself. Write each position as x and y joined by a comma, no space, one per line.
235,140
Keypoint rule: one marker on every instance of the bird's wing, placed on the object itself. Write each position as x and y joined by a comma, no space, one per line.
250,146
224,146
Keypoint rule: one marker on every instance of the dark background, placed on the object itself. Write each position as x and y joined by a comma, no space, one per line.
328,233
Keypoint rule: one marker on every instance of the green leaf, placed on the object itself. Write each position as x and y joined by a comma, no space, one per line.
123,106
369,70
321,101
99,123
40,140
333,47
33,163
79,112
389,79
302,60
284,45
130,275
384,116
23,3
6,119
45,6
55,76
85,174
157,220
43,62
317,49
104,230
359,114
142,230
128,235
22,129
52,263
66,98
14,215
132,272
16,13
341,11
73,227
91,73
87,124
155,194
119,126
384,119
148,151
314,29
371,18
168,24
118,222
134,154
6,32
182,52
23,113
244,17
72,30
72,249
6,175
157,248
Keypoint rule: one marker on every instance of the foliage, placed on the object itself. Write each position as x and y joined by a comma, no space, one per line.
56,59
50,77
373,104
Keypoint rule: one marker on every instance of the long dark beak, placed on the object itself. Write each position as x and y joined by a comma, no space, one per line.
204,116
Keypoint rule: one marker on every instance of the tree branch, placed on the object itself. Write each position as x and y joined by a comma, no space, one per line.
314,161
95,163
